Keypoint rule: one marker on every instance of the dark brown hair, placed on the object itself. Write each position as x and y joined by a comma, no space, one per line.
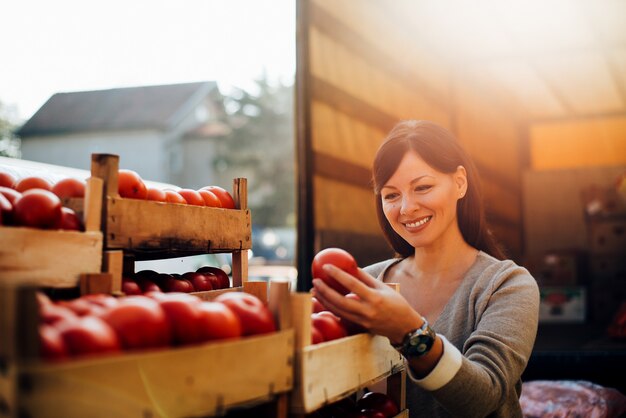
440,149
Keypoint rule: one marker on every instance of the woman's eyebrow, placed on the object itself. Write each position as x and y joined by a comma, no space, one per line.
415,180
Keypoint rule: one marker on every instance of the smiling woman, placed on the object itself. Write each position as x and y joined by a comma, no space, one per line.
452,276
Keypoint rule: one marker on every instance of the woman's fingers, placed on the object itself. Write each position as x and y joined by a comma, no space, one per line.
335,301
360,286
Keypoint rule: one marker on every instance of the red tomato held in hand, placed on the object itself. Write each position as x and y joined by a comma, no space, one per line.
218,321
7,180
51,345
200,282
33,182
139,322
317,305
69,187
130,185
340,259
254,315
225,198
329,325
88,335
181,310
173,196
316,335
156,195
69,220
379,402
192,197
210,199
38,209
222,277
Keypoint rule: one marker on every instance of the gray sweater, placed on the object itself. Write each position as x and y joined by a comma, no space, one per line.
489,327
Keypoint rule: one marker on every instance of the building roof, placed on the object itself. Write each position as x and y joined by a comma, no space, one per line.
147,107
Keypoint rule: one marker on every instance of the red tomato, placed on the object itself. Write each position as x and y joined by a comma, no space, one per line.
51,345
225,198
182,312
337,257
79,306
174,284
69,187
69,220
148,286
222,277
254,315
101,300
139,322
317,305
88,335
38,209
7,180
156,194
210,199
130,185
200,282
217,321
316,335
372,413
173,196
6,211
329,325
379,402
130,287
10,194
32,182
192,197
53,313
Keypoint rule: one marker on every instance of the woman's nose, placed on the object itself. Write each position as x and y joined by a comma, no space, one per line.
409,205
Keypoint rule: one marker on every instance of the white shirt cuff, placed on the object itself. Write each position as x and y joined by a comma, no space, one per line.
449,364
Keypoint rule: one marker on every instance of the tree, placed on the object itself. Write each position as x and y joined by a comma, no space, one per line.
9,143
260,147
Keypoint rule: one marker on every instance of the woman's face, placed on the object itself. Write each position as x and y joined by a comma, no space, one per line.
420,202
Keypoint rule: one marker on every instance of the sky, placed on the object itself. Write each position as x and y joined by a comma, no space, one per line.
76,45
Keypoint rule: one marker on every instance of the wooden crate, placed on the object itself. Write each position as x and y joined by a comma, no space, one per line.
203,380
54,258
160,230
330,371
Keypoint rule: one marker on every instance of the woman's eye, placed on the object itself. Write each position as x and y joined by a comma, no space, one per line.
423,187
390,196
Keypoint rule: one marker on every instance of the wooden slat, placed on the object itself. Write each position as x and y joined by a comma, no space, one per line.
395,67
340,170
53,258
356,108
174,383
329,371
146,225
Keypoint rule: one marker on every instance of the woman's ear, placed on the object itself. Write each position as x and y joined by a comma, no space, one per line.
460,179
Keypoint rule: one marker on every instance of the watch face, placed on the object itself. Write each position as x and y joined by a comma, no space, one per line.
419,342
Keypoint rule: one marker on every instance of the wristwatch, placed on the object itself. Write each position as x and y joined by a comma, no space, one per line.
417,342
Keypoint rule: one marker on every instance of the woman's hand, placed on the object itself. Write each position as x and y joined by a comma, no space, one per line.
379,308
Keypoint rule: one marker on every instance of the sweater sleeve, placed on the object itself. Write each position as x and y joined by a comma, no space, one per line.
497,350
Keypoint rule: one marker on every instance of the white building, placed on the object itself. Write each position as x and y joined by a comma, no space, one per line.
167,133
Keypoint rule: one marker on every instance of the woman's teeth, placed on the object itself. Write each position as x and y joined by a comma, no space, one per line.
419,223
